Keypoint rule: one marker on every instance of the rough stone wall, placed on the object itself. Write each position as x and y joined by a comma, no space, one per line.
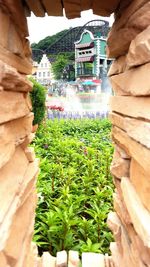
129,43
18,166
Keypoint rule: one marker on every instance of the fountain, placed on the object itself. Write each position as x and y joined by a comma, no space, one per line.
79,105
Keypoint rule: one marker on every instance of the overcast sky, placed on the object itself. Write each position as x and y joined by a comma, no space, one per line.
39,28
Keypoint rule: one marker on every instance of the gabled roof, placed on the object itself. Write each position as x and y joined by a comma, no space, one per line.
82,35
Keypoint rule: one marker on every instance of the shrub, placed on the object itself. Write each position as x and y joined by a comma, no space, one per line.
74,186
38,97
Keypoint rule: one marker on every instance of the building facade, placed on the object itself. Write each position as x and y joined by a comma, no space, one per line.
90,56
44,71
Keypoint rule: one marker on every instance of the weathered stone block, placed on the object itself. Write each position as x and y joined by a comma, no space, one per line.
122,153
12,134
4,28
16,12
109,261
117,120
115,226
138,53
11,178
138,248
136,150
137,129
22,64
135,81
28,140
23,218
118,66
13,105
73,259
20,128
141,181
115,255
61,259
3,259
117,89
18,184
89,259
22,261
140,19
36,7
29,180
129,9
86,4
104,8
137,107
127,27
32,257
54,8
128,256
48,260
12,80
15,44
125,242
124,37
121,209
6,148
120,167
139,215
29,151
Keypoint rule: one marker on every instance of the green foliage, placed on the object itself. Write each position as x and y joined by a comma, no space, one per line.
74,185
59,65
43,45
69,55
38,97
47,41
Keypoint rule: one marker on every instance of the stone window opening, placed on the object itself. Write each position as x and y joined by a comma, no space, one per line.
130,109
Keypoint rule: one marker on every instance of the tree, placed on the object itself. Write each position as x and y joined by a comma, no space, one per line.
38,97
59,65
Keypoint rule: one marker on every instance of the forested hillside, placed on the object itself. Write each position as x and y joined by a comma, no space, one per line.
56,42
47,41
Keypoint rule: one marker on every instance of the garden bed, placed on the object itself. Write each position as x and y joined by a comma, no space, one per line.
74,185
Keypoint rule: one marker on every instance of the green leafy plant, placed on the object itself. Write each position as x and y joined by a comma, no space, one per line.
74,185
38,97
59,65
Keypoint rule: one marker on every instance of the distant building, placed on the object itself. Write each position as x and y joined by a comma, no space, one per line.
34,68
90,56
44,73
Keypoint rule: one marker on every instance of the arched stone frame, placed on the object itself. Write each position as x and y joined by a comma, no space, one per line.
128,42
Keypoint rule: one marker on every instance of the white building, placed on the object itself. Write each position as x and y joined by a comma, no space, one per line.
44,71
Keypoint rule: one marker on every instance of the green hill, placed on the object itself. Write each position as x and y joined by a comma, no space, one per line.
47,41
51,41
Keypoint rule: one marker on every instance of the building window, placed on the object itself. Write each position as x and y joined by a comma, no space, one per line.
39,74
41,65
101,61
48,73
45,65
43,74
